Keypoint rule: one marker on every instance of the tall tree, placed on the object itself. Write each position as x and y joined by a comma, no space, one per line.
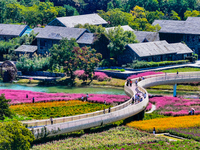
71,57
118,40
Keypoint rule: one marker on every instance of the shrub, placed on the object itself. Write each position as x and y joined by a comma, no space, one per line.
4,107
14,136
37,63
144,64
100,76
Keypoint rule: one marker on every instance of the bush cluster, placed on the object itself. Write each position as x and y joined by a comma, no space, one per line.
100,76
144,64
37,63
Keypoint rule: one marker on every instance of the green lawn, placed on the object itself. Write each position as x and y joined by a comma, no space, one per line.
185,69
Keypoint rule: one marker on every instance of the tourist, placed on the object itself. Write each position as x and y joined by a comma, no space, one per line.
154,130
87,96
104,101
193,111
109,110
51,119
33,100
82,98
133,100
131,82
144,95
127,82
190,112
165,75
142,78
136,82
141,99
177,73
26,95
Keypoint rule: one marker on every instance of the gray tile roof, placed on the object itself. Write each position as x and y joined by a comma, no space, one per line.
57,33
181,48
93,19
12,29
149,36
86,38
190,26
158,48
125,28
26,48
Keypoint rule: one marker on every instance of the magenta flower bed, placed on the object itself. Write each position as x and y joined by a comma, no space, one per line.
149,106
174,106
144,74
19,96
100,76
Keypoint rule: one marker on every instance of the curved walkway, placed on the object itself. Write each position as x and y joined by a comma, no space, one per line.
153,108
119,112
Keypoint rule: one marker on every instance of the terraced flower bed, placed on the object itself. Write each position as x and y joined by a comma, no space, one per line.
111,138
56,109
20,96
174,106
190,133
163,124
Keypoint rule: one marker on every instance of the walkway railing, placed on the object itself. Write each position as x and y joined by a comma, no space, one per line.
79,122
120,112
45,122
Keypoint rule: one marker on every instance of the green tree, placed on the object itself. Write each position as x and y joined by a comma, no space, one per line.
193,13
118,40
13,12
14,136
86,58
154,15
61,11
92,28
47,12
4,107
31,15
70,11
174,16
2,11
71,57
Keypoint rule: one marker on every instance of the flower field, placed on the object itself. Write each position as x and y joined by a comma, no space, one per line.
113,137
56,109
190,133
19,96
174,106
183,145
149,106
163,124
144,74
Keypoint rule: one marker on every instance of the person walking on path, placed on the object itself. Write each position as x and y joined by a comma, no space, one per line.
136,82
51,119
154,130
109,110
87,96
131,82
127,82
